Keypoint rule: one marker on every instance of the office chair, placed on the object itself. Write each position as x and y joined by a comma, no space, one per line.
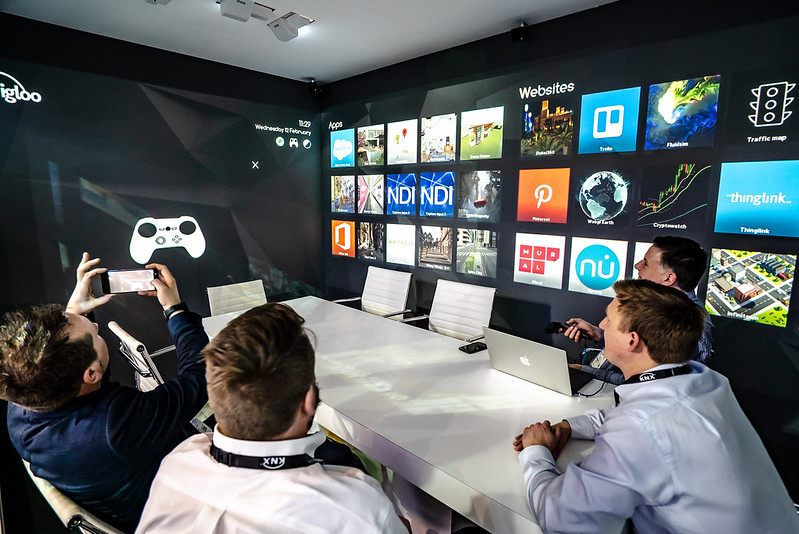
385,292
236,297
146,374
71,514
459,310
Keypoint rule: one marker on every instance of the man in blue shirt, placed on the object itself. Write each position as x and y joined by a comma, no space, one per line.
677,453
100,444
670,261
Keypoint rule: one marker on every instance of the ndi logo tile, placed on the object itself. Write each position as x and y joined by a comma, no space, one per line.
401,189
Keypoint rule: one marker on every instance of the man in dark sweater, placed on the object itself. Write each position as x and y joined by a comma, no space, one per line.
99,443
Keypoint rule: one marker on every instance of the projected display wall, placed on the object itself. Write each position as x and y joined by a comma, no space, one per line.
213,187
569,165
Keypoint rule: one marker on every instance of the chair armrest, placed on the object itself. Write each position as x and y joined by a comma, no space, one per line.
392,314
162,351
351,299
413,319
72,515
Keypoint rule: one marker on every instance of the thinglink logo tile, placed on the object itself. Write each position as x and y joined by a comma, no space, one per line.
762,198
757,198
12,91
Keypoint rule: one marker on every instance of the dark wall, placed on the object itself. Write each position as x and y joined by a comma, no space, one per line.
622,45
124,132
46,44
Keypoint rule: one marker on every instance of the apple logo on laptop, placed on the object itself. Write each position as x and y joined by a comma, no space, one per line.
525,360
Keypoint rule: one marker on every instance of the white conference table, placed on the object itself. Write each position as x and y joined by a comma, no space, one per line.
442,419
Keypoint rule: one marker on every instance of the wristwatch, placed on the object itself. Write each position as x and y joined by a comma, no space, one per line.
169,312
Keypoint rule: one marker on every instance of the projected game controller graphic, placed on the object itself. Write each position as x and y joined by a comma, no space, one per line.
151,234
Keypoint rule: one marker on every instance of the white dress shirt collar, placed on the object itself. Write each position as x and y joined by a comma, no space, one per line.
289,447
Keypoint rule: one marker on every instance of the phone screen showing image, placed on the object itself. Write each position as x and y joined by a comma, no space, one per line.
128,281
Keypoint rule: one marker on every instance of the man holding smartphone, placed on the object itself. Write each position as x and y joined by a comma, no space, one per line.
100,444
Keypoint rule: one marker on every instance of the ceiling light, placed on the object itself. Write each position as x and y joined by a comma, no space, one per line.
157,2
286,27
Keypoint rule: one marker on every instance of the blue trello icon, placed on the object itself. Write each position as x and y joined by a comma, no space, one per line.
609,121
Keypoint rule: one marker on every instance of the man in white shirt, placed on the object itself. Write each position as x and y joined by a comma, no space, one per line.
256,472
676,454
671,261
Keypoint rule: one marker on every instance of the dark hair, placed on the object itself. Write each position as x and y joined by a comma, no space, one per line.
667,321
259,368
41,368
684,257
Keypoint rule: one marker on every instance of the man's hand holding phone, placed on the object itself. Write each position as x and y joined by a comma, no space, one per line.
82,300
128,280
166,287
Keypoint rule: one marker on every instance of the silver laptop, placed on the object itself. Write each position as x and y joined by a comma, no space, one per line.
537,363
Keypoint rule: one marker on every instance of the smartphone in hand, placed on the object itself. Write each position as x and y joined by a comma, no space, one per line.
128,280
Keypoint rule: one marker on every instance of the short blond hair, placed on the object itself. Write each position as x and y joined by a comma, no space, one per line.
259,368
669,323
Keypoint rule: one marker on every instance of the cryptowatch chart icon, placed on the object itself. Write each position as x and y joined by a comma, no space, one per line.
771,106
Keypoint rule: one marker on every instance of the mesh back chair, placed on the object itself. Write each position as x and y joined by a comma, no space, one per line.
146,373
460,310
385,292
236,297
72,515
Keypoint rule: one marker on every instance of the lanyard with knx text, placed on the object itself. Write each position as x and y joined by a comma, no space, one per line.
649,376
269,463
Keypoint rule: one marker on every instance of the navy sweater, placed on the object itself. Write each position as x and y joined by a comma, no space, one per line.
104,448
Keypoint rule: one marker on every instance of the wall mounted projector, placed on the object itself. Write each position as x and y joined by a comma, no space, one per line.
286,27
244,9
236,9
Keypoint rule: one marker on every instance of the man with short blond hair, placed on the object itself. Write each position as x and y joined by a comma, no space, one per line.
676,454
671,261
256,472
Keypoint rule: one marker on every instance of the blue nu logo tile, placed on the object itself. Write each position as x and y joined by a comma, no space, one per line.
597,267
